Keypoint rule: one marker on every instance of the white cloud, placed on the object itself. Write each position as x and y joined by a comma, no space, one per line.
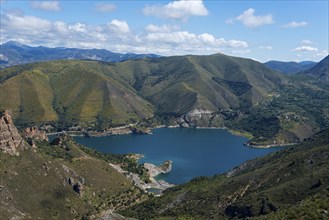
321,54
236,44
46,5
118,26
295,24
178,10
241,51
252,21
115,36
163,28
78,27
266,47
306,49
24,22
306,42
105,7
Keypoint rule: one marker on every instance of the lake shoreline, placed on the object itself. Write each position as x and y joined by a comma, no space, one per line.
125,130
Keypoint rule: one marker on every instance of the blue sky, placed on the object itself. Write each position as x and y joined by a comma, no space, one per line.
261,30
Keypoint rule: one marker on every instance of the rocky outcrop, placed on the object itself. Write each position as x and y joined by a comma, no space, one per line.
78,188
10,140
154,170
60,141
34,134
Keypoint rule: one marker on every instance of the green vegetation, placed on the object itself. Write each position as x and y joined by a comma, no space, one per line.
291,183
242,95
39,185
68,93
127,162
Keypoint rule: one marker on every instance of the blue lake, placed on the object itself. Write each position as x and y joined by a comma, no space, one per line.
194,152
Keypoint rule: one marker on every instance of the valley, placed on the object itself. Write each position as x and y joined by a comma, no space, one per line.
66,180
188,91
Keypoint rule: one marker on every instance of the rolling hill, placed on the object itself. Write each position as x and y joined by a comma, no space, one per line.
289,67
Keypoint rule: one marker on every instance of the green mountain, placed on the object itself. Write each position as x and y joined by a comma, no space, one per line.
70,92
188,91
289,67
186,83
288,184
320,71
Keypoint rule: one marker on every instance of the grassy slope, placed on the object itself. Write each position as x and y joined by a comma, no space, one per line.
181,84
282,183
98,95
35,184
71,92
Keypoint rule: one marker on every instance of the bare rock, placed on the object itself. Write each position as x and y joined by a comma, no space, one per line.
34,134
78,188
10,140
154,170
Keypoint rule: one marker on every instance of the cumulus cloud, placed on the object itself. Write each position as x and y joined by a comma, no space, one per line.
118,26
295,24
46,5
105,7
177,10
162,28
250,20
116,36
17,20
305,49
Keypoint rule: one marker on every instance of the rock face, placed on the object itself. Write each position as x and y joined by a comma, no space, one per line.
10,140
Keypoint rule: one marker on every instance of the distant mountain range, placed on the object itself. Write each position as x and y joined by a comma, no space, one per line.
289,67
13,53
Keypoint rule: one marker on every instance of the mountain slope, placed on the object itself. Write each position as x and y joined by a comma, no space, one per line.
189,91
57,181
82,91
183,84
289,67
13,53
320,71
69,92
279,183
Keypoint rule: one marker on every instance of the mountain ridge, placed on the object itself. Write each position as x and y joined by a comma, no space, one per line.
289,67
319,71
188,91
14,53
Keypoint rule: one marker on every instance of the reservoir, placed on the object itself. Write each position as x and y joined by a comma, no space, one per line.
194,152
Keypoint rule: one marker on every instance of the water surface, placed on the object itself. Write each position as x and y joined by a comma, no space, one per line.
194,152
